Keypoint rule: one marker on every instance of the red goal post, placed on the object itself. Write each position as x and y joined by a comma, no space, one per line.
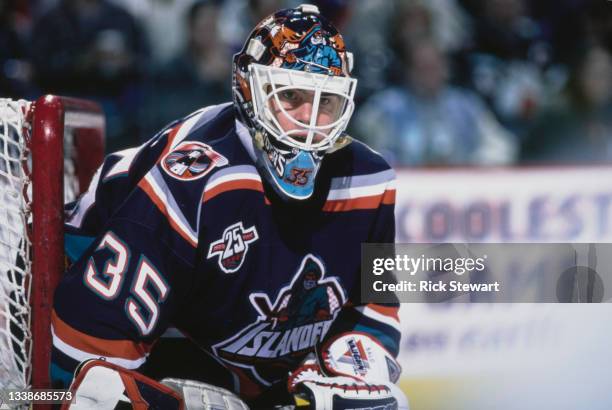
50,149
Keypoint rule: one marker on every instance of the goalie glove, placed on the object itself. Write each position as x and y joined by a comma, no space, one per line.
351,370
314,391
359,355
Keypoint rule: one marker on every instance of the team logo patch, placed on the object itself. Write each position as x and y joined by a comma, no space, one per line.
192,160
233,246
289,325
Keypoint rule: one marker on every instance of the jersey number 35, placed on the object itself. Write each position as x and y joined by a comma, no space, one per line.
142,306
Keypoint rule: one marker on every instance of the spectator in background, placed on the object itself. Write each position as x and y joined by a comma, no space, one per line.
578,127
425,121
442,20
390,26
571,25
93,49
199,76
238,16
506,60
366,35
162,22
15,68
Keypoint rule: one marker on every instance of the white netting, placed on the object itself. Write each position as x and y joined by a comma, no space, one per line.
71,182
15,244
15,261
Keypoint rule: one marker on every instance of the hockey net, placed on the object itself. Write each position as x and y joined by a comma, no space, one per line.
39,142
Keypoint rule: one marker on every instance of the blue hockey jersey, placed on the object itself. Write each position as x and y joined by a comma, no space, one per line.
182,232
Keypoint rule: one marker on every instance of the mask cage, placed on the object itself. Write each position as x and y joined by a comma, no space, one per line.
267,82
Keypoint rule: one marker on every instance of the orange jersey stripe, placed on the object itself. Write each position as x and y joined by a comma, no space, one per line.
125,349
146,187
391,311
233,185
389,197
343,205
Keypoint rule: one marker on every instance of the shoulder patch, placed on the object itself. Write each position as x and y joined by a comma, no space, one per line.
191,160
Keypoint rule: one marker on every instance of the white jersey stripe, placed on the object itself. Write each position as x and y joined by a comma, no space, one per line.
357,192
361,186
236,169
234,173
171,202
123,165
232,178
81,356
171,207
190,123
75,219
362,180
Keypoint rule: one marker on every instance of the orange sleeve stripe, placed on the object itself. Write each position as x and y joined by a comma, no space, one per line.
343,205
146,187
231,186
391,311
389,197
125,349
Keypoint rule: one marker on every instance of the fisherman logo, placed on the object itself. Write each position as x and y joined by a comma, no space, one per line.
233,246
299,317
192,160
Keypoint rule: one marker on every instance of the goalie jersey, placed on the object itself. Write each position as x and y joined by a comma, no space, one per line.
182,233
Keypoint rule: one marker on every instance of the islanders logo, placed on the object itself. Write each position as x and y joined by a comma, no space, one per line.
191,160
292,325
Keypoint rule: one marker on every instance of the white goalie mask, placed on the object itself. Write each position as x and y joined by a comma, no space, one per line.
294,93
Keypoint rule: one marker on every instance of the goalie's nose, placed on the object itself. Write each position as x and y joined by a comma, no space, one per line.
303,113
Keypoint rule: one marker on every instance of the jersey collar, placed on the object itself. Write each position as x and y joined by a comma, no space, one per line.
245,138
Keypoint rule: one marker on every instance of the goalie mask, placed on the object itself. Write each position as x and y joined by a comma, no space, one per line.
293,91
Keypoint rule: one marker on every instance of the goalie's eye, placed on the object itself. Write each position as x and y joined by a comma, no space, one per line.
330,103
288,96
325,100
291,99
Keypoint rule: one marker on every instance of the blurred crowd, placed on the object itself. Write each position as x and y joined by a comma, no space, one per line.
441,82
